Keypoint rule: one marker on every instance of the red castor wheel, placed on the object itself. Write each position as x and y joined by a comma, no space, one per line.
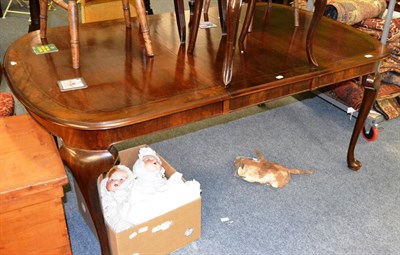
371,135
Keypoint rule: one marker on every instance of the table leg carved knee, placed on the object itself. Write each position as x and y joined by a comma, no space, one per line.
318,12
86,166
370,92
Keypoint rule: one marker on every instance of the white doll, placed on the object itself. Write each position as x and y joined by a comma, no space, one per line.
131,198
115,191
116,176
148,172
153,195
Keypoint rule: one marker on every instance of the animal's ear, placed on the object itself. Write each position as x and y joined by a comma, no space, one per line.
238,163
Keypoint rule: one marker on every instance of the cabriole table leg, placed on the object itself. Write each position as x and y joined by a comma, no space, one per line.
86,166
370,92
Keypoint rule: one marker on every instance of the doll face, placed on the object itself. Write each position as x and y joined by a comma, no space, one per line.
151,163
116,179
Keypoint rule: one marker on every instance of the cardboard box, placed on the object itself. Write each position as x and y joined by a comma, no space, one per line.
161,235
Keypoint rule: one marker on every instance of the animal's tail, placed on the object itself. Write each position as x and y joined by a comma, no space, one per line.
295,171
260,156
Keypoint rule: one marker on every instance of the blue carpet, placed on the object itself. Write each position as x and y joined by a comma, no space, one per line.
333,211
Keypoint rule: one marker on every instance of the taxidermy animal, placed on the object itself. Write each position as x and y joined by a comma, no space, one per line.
264,171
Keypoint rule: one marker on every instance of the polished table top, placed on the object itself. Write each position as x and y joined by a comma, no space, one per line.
127,87
130,95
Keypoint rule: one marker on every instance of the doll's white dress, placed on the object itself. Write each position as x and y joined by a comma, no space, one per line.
145,195
116,205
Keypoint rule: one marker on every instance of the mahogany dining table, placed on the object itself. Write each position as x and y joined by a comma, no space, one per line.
129,94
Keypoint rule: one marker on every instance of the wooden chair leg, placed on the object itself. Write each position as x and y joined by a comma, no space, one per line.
194,29
233,15
34,9
141,10
127,13
72,9
43,19
318,12
222,9
222,12
180,19
246,25
147,4
296,13
206,6
73,30
196,16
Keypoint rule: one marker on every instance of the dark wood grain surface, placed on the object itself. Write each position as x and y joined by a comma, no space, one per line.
115,67
130,94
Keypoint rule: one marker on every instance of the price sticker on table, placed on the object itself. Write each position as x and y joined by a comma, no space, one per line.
72,84
43,49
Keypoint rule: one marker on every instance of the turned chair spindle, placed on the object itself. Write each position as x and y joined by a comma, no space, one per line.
72,10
